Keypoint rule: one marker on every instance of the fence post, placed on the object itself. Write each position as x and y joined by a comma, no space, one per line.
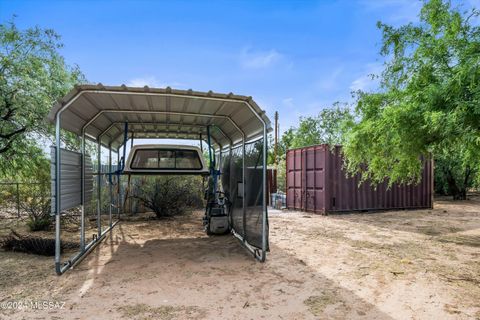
18,201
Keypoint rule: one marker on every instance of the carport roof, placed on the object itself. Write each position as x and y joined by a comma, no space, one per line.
159,113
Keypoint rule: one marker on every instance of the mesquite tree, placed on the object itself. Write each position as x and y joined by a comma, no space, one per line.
33,75
428,102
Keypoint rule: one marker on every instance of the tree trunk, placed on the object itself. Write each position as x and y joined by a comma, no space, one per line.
458,193
453,187
466,183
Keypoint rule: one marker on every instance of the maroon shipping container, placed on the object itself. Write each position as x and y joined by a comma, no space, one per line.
316,182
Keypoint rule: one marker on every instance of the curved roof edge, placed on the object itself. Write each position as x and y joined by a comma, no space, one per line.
168,90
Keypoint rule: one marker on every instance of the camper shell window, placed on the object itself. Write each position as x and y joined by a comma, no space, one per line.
166,159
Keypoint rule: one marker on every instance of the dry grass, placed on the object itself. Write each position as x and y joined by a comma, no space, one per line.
144,312
317,304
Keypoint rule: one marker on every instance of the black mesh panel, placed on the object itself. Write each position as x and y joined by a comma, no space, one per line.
254,193
236,211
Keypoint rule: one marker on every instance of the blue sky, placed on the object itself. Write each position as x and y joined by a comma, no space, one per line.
296,57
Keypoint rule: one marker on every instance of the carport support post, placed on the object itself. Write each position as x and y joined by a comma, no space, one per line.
220,159
130,202
244,209
57,194
120,191
264,207
110,185
118,183
99,190
82,219
219,172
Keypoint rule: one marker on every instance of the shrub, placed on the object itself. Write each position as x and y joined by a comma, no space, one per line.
39,224
281,175
37,205
169,196
35,199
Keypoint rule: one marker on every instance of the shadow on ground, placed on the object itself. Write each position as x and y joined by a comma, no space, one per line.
135,276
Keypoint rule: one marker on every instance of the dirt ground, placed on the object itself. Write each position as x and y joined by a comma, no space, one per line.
421,264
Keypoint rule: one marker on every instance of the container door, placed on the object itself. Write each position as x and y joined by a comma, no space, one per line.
290,168
299,203
310,179
314,183
294,180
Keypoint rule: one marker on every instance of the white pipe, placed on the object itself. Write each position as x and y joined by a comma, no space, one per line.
57,194
82,222
99,190
110,186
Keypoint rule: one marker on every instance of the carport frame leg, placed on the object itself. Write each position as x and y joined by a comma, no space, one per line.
110,186
57,195
82,222
99,190
264,206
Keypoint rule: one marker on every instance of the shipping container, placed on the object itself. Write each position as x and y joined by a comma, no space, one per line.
317,182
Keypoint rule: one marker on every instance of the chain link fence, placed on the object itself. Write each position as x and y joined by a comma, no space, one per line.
11,196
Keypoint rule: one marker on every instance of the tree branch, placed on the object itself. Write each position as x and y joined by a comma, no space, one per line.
13,133
6,147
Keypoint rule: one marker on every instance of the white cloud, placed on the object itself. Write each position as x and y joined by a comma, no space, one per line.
153,82
259,59
288,102
365,82
330,82
398,11
150,81
362,83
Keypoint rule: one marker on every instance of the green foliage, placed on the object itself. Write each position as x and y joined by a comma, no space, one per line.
452,176
281,175
32,195
40,224
307,133
328,127
429,100
35,197
33,75
168,196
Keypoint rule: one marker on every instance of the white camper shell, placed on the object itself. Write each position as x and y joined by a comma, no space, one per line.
157,159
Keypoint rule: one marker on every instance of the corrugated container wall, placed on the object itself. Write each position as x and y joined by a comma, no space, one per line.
316,182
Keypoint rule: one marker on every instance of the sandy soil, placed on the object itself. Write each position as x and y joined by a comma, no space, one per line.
396,265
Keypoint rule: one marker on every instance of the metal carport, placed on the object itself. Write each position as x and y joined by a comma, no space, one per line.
99,113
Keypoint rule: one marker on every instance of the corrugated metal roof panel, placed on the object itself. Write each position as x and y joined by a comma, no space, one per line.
107,106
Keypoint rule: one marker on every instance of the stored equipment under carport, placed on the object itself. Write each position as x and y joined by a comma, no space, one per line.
216,219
